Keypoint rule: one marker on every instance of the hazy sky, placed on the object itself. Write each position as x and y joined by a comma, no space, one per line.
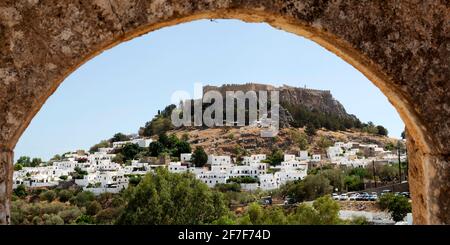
122,88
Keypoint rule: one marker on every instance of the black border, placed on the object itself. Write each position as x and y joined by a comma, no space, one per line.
126,235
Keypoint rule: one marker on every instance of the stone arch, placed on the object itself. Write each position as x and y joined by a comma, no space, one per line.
402,47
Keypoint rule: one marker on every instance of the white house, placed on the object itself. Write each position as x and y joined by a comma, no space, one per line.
177,167
316,158
247,160
267,182
289,157
141,142
219,160
303,155
212,178
334,151
185,157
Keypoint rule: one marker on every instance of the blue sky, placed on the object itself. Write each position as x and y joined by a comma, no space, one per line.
122,88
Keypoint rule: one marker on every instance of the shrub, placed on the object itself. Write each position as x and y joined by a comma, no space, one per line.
70,215
53,219
83,198
166,198
64,195
93,208
397,205
21,191
48,196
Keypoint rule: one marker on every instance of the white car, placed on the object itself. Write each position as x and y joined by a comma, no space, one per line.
343,197
335,196
354,197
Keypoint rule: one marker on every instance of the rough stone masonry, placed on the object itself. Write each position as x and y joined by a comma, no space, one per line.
401,46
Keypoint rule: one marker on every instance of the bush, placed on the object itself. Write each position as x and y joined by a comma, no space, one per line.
53,219
310,188
107,216
358,220
166,198
397,205
48,196
235,187
85,220
93,208
70,215
21,191
64,195
83,198
242,179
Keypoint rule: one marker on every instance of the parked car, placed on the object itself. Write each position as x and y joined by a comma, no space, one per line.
289,201
405,194
354,197
364,196
335,196
343,197
266,200
385,192
373,196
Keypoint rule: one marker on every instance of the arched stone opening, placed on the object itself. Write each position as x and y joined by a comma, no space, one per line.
401,47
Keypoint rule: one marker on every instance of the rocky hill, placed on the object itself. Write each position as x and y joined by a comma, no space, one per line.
247,140
299,106
312,99
300,109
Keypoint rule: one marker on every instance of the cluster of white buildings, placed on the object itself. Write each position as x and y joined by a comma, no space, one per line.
353,154
223,169
99,173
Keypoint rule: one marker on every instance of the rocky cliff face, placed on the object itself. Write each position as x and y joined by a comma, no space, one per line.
312,99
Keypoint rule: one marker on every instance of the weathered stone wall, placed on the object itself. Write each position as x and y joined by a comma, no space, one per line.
401,46
6,171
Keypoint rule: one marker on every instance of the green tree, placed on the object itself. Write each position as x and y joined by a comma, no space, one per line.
310,129
328,210
156,148
304,214
335,176
276,157
397,205
388,173
102,144
311,187
315,186
21,191
24,161
403,135
382,130
118,158
199,157
119,137
164,139
129,151
182,147
18,167
353,183
166,198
